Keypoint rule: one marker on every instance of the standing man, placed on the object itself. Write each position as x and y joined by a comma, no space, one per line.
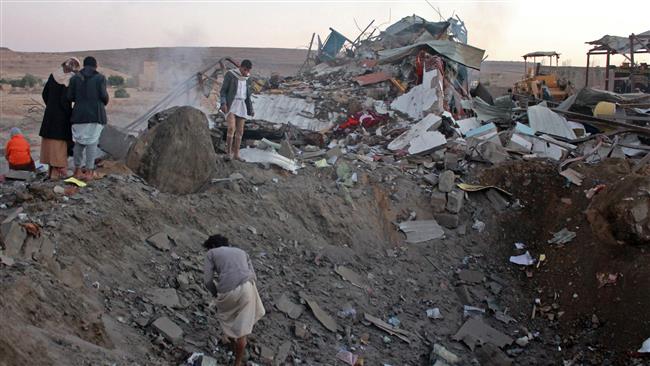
239,305
237,105
88,92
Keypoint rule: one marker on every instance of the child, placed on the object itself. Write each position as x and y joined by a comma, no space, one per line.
17,152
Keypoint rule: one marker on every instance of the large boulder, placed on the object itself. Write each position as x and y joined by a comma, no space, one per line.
175,155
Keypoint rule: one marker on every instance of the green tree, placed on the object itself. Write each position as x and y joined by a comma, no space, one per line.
121,93
115,80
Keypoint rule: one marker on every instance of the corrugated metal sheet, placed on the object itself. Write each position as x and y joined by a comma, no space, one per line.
283,109
454,51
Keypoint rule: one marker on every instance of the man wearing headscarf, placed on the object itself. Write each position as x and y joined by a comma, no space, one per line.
56,130
88,92
17,152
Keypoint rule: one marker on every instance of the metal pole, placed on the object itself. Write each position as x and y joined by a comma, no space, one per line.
587,74
632,52
607,72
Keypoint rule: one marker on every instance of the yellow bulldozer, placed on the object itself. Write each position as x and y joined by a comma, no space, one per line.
542,86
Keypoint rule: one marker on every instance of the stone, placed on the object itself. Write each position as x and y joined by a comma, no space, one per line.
496,199
13,236
176,155
169,330
283,353
183,280
286,150
160,241
208,361
431,179
455,201
58,190
441,352
438,201
451,161
18,175
300,330
448,220
266,355
446,181
640,211
164,297
12,215
115,141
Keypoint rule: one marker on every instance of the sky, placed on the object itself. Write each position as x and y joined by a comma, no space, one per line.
504,29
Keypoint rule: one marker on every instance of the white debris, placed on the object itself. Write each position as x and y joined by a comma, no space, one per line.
523,260
271,157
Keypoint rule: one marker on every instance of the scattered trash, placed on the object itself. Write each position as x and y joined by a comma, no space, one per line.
478,226
423,230
523,260
474,331
445,354
605,279
347,357
562,237
328,322
75,181
573,176
252,155
592,191
434,313
394,321
288,307
472,310
399,333
645,347
520,246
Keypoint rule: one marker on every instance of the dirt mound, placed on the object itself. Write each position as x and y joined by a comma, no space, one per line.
590,288
621,211
176,155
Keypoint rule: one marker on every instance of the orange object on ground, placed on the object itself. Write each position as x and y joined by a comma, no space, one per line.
17,151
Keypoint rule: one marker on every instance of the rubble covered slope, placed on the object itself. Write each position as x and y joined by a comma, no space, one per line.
116,275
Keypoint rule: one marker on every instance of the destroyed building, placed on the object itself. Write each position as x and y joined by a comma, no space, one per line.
396,213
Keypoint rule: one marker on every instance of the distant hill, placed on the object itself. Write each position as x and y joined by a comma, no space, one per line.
129,62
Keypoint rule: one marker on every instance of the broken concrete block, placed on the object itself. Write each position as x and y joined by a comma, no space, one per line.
300,330
496,199
208,361
451,161
455,201
446,181
431,179
266,355
438,201
164,297
115,142
183,280
283,353
286,150
169,330
19,175
160,241
14,238
440,352
448,220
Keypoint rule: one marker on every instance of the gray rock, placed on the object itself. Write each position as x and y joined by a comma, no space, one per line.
208,361
640,211
448,220
169,330
455,201
446,181
160,241
183,280
286,150
14,236
164,297
438,201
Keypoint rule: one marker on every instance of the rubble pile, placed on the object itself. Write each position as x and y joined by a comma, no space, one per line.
393,214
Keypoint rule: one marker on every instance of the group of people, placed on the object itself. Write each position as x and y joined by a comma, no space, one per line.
75,98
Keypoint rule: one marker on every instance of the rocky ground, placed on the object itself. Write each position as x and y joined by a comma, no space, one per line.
95,287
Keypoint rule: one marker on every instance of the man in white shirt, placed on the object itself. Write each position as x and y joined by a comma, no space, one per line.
237,105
